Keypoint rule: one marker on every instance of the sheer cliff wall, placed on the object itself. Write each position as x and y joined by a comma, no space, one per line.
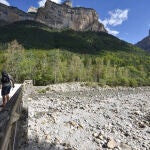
63,16
59,16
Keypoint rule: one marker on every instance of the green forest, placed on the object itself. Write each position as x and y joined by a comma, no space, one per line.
33,51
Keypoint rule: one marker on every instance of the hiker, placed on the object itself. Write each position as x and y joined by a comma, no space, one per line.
6,82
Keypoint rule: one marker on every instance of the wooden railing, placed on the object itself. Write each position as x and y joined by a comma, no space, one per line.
9,117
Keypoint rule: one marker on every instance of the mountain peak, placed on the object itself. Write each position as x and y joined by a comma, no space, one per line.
145,43
59,16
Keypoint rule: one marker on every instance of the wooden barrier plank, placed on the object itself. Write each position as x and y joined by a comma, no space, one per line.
8,117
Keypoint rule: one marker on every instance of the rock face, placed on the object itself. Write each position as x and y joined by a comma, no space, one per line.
54,15
13,14
64,16
144,44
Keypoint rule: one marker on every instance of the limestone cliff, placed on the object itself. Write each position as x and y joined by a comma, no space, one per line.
54,15
13,14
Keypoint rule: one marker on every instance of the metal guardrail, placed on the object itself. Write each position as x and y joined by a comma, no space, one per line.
8,121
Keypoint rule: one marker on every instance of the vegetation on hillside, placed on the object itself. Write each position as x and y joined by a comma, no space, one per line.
33,51
144,43
33,35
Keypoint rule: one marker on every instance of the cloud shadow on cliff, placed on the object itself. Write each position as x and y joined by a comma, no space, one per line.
33,35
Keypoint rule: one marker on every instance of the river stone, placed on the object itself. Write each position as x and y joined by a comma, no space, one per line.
125,146
111,144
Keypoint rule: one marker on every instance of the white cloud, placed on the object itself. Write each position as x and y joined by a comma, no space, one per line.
113,32
42,2
5,2
117,17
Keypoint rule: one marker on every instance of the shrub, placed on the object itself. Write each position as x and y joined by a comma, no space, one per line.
102,82
133,82
92,84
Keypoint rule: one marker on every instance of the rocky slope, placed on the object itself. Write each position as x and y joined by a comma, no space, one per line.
73,116
144,44
12,14
55,16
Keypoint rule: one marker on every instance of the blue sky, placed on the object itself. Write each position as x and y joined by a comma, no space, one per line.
129,20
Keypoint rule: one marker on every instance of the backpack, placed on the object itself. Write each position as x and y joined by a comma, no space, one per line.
5,78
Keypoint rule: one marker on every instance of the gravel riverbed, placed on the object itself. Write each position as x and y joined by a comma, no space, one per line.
71,116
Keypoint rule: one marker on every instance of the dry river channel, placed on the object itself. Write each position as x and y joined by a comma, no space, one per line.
71,116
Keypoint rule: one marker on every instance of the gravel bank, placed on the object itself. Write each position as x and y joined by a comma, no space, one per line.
72,116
